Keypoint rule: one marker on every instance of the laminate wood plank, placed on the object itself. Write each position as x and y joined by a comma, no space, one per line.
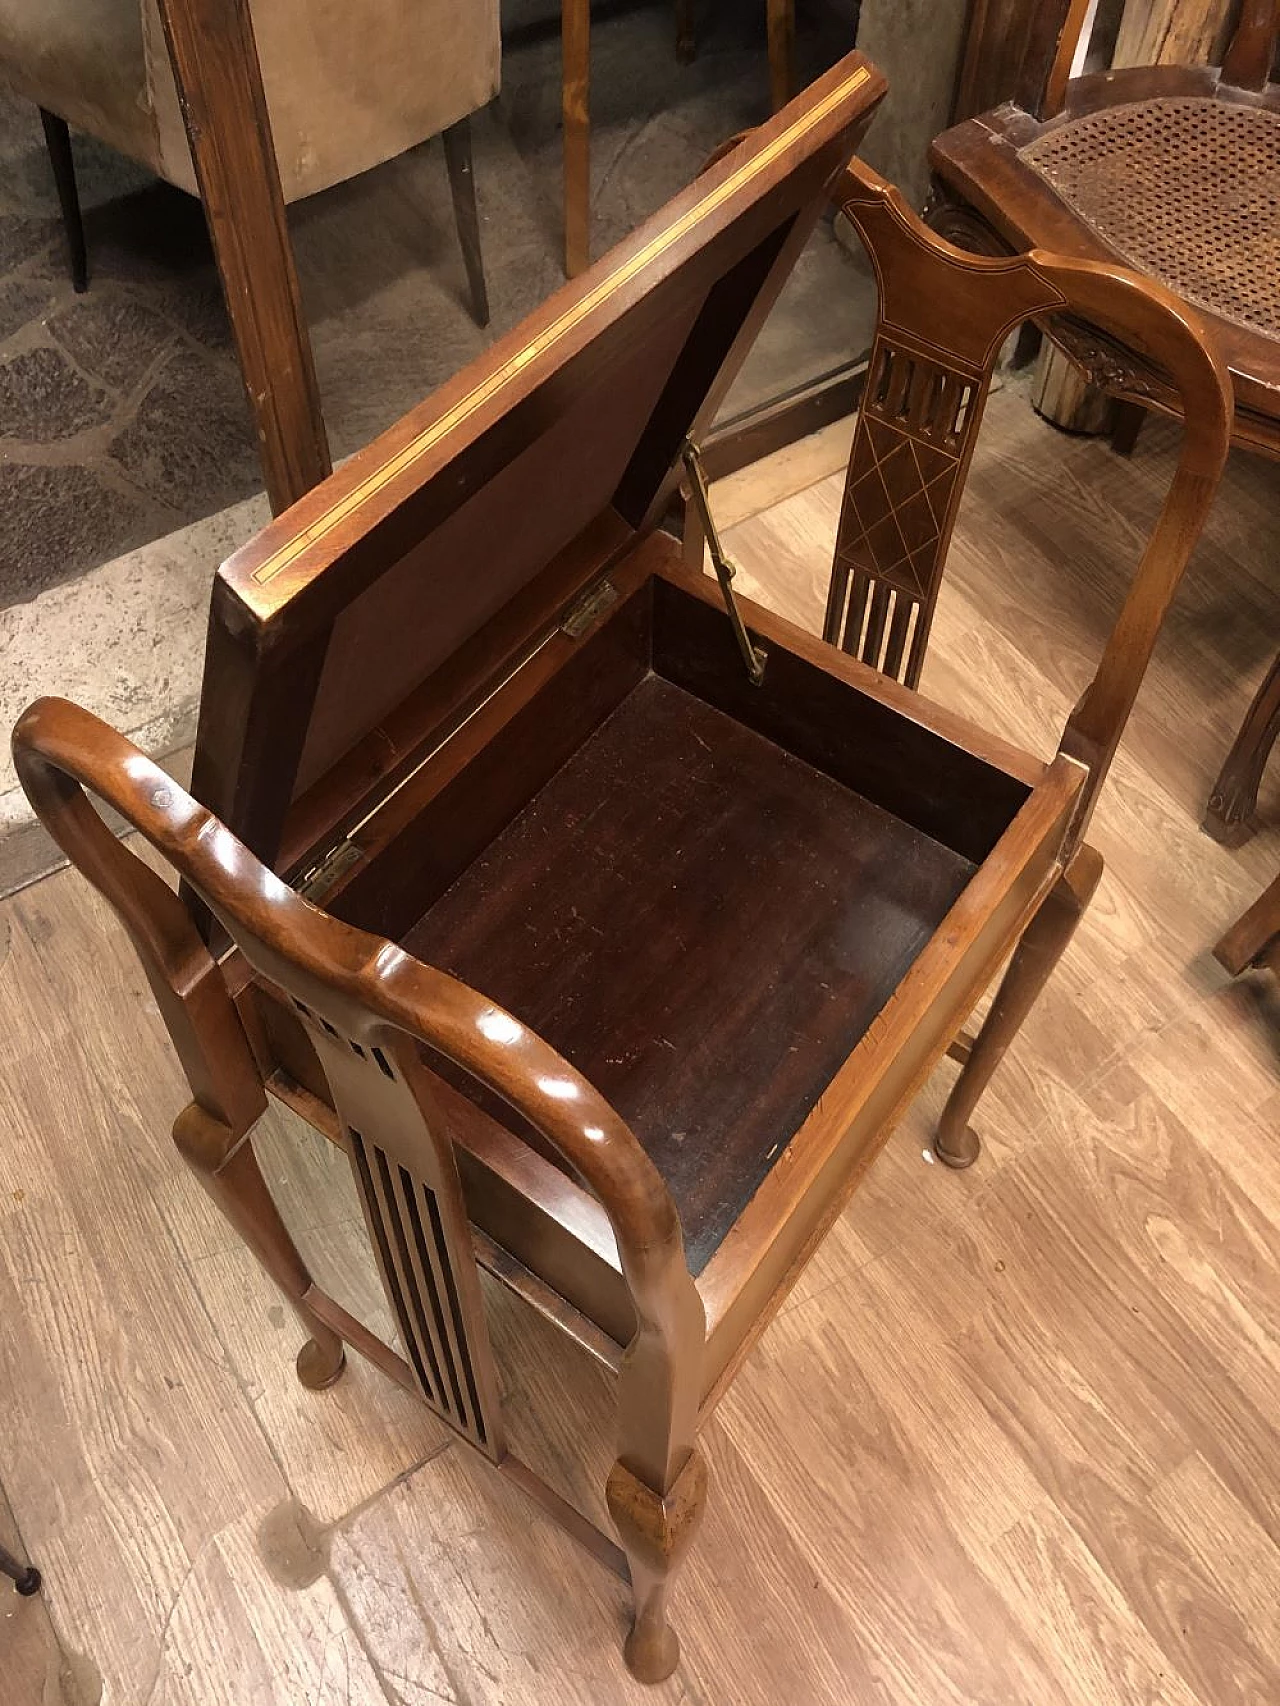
1054,1583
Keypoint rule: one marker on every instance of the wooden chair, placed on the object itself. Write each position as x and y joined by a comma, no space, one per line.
1133,165
575,27
418,1076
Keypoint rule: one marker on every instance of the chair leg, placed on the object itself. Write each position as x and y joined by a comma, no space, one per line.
1254,939
686,41
1234,796
1126,423
234,1180
575,48
1042,945
25,1577
57,139
656,1530
782,50
462,186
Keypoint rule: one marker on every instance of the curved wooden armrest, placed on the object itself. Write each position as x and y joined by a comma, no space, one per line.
60,750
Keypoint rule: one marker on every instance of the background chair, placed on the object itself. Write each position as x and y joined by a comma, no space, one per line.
297,97
1172,169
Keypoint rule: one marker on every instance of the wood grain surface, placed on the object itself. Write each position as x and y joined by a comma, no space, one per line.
1012,1439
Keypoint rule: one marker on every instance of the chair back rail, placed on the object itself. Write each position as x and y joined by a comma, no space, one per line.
944,315
368,1006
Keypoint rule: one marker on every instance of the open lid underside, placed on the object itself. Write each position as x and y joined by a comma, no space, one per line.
527,471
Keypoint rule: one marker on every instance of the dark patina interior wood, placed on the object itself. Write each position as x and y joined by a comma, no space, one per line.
704,925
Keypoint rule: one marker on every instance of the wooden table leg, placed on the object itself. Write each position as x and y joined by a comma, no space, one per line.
782,51
575,51
1234,796
215,65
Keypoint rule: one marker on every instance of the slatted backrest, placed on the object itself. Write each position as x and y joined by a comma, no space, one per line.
944,315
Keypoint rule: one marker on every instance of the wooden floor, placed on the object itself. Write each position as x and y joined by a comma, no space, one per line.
1013,1439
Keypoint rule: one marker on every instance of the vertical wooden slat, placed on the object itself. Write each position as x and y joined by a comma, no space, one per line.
429,1264
857,612
898,629
224,109
837,593
870,649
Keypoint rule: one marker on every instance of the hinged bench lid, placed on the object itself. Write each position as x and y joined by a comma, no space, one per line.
425,567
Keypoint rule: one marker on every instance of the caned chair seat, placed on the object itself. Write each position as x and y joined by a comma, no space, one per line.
1210,231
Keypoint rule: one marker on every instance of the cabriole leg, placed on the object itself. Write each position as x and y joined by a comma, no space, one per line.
656,1531
230,1173
1234,799
1042,945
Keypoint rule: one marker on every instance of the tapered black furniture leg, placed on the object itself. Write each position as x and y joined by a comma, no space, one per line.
57,139
26,1578
462,184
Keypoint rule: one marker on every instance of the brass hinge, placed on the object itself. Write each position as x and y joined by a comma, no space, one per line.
323,877
582,613
753,656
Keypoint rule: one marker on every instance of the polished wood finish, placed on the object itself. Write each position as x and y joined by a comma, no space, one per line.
1041,947
920,420
608,376
990,191
57,140
911,852
224,109
912,1429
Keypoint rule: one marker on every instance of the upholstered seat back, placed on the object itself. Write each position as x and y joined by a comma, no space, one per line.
349,83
